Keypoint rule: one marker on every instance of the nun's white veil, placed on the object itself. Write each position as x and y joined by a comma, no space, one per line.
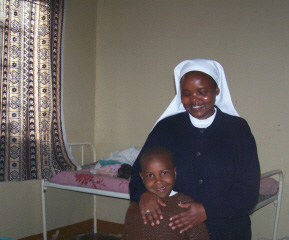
210,67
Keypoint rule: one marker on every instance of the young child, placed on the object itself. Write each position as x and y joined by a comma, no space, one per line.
158,174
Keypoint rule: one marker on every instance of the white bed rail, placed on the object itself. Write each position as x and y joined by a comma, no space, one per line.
275,198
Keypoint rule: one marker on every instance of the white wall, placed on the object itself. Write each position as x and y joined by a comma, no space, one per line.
140,42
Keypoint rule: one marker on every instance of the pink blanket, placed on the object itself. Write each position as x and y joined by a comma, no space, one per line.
83,178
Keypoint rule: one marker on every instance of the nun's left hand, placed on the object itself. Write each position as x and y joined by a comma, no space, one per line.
193,216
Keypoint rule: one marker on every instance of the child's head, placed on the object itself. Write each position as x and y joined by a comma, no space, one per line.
158,171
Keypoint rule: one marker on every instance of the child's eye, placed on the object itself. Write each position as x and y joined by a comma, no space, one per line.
149,175
165,172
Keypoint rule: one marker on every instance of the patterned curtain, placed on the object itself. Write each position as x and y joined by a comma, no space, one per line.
32,144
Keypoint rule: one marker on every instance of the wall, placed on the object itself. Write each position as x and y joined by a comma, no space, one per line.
140,42
20,203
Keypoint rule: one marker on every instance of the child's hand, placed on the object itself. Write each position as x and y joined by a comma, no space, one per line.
149,205
193,216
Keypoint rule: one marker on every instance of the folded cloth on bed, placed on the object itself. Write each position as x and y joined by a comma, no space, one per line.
127,155
109,170
108,162
268,186
105,166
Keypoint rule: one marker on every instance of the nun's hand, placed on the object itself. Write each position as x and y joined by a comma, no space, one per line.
193,216
149,205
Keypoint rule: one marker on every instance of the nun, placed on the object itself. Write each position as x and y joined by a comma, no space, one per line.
215,156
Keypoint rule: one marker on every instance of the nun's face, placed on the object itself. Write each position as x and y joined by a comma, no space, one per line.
198,94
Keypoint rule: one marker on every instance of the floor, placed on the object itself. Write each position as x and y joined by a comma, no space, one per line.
86,236
98,236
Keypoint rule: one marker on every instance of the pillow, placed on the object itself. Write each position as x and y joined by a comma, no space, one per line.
268,186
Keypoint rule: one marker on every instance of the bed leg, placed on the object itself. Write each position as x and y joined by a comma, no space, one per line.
278,202
43,190
276,220
94,215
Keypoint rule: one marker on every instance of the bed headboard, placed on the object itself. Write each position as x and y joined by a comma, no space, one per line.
83,146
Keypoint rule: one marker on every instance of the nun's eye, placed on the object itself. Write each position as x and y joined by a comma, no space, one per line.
186,93
203,93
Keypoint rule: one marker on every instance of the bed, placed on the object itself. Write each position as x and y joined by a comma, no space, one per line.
103,191
114,187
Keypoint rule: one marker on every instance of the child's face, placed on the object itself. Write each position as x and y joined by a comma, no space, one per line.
158,175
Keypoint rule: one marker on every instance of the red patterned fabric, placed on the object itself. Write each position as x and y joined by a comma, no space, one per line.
83,178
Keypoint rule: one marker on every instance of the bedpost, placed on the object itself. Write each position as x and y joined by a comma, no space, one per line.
43,190
94,215
278,202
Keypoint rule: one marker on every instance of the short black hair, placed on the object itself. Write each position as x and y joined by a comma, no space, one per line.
154,151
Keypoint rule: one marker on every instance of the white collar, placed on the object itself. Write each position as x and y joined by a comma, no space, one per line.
203,123
172,193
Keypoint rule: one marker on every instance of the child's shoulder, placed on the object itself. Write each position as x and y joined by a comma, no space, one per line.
178,198
133,213
133,206
183,198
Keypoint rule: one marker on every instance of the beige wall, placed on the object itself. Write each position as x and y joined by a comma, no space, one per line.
140,42
20,214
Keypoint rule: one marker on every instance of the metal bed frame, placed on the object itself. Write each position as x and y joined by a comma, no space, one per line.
46,184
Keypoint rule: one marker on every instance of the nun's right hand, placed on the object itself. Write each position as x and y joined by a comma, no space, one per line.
149,205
